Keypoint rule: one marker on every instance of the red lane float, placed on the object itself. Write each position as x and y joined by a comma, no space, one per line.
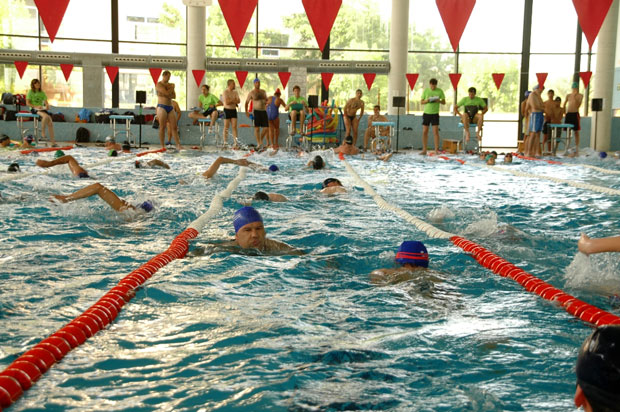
578,308
163,149
551,162
30,366
46,149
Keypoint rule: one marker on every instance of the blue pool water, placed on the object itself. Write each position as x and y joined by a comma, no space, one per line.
307,333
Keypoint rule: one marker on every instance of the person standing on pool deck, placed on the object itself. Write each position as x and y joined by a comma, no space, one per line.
571,107
165,109
259,103
231,100
536,109
598,371
432,97
107,195
273,117
62,159
351,121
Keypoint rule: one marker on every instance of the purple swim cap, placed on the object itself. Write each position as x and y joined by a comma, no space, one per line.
273,168
412,252
147,206
244,216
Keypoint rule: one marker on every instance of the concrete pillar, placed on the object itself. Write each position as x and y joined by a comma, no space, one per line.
93,79
604,80
399,29
196,40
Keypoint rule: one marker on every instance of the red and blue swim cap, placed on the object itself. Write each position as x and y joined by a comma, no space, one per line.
412,252
244,216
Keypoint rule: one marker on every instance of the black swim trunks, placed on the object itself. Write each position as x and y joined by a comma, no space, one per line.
430,119
230,113
260,118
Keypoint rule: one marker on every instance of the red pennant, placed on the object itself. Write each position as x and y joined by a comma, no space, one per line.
284,78
591,14
241,75
21,67
52,12
585,77
238,14
498,78
455,14
66,70
412,78
455,78
198,75
112,72
322,15
327,79
370,78
541,79
155,73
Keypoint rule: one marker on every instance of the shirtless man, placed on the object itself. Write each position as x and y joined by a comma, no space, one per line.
231,100
571,108
525,119
370,131
351,121
554,114
74,166
165,110
347,147
332,186
535,108
549,106
107,195
259,109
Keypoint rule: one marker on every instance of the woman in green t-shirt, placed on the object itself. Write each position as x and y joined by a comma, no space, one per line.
37,100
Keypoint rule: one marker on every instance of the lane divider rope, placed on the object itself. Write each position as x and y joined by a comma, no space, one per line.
22,373
555,162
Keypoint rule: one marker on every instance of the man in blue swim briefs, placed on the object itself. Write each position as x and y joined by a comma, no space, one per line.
107,195
165,110
598,371
536,109
62,159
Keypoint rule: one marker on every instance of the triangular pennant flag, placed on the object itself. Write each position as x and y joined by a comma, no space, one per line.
198,75
327,79
51,12
284,78
155,73
322,15
591,15
585,77
241,75
455,78
112,72
238,14
66,70
498,78
455,14
370,78
412,78
541,79
21,67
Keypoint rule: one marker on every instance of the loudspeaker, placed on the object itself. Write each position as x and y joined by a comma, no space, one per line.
597,105
140,96
313,101
398,101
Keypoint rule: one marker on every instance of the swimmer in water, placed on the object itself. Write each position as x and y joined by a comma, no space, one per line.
212,170
331,186
598,371
62,159
412,256
270,197
317,163
107,195
587,245
151,164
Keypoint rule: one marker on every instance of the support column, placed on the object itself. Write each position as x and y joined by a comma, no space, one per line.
399,29
196,41
600,135
93,79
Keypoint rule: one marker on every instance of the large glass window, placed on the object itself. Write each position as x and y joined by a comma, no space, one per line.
490,18
554,26
131,80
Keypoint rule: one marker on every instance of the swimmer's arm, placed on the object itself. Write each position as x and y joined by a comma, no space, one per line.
333,190
275,246
162,90
606,244
212,170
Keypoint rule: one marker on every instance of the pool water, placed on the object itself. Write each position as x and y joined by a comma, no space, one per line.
241,332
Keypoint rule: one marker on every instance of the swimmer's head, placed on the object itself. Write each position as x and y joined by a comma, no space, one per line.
13,168
277,93
256,80
261,196
59,153
412,252
146,206
110,139
126,147
83,175
317,163
508,158
536,87
113,153
274,168
575,85
602,155
598,368
29,139
348,140
137,164
331,181
4,138
245,216
527,93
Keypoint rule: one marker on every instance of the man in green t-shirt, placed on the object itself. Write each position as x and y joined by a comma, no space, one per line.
474,109
296,105
432,97
208,103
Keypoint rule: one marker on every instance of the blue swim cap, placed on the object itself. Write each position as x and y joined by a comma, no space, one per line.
147,206
244,216
602,155
273,168
412,252
256,80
